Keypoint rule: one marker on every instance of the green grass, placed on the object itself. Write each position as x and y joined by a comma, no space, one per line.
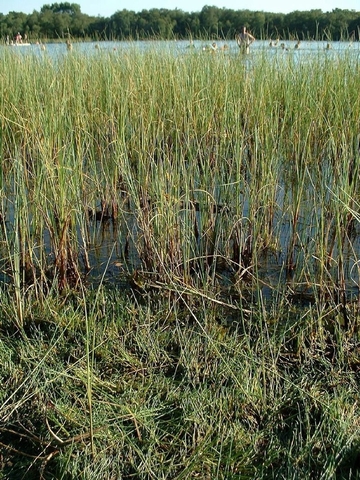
227,346
175,391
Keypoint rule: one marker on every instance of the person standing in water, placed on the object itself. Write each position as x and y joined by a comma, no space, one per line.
244,39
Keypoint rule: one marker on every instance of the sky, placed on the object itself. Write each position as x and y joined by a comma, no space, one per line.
106,8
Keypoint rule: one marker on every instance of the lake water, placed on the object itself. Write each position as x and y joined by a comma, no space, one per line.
183,46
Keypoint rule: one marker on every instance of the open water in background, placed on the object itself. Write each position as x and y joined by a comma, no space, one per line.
183,46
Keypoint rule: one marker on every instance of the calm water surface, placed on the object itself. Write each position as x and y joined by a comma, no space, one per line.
183,46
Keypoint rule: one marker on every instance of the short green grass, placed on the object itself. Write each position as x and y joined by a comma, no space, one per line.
114,384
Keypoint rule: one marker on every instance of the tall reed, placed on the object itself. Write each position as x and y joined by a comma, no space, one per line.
220,161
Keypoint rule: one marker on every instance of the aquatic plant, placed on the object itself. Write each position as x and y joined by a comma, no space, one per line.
222,166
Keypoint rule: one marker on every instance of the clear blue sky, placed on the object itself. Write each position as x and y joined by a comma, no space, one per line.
106,8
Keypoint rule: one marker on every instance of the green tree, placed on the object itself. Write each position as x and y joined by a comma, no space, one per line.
209,20
258,23
123,24
33,25
59,19
162,23
47,22
66,7
15,22
179,22
193,25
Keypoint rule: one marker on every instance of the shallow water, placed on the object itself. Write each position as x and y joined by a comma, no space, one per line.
183,46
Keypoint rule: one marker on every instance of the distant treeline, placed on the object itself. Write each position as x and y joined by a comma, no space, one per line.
61,20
